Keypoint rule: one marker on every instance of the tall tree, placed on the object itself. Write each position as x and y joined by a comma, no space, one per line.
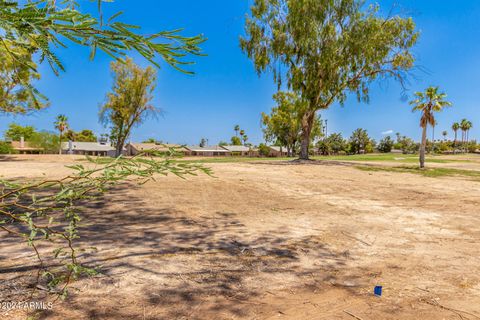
360,142
236,128
465,126
327,48
455,128
32,28
284,123
428,103
16,131
236,141
129,103
17,75
245,139
61,124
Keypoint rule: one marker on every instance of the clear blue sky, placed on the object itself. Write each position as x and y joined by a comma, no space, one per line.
226,91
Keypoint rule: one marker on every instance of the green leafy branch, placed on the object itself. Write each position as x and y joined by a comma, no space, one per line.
50,210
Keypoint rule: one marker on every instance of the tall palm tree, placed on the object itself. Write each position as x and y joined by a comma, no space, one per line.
245,139
242,133
466,125
428,103
61,124
236,128
455,128
464,128
470,125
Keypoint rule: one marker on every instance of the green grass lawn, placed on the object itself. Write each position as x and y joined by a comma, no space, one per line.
428,172
405,158
400,158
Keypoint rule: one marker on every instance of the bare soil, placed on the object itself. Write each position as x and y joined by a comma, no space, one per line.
269,240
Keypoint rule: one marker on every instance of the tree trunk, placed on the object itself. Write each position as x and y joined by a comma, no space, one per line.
422,147
119,148
60,140
455,144
307,125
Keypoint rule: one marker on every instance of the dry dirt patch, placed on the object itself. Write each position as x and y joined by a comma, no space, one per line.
269,240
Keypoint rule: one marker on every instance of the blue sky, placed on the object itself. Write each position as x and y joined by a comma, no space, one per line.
226,91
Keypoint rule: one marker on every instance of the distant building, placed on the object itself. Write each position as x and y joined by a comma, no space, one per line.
208,151
88,148
276,151
238,150
23,147
152,148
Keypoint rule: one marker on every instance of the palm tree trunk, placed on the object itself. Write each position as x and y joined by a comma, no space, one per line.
455,143
467,134
60,142
422,147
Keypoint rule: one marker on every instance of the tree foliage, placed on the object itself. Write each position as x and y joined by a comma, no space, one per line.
360,142
385,145
84,135
47,141
236,141
324,49
16,131
36,28
283,126
129,103
333,144
17,75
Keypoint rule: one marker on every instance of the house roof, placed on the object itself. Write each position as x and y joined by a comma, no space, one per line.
278,149
155,147
207,149
26,146
237,148
87,146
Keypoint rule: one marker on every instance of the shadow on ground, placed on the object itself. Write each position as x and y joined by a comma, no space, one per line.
177,266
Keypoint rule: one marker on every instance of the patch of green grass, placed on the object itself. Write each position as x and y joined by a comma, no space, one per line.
427,172
403,158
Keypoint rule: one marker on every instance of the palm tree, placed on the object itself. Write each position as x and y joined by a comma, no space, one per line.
455,128
242,133
245,139
236,128
469,126
61,124
445,134
464,128
428,103
466,125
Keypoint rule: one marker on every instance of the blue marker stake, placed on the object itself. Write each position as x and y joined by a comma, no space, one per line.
378,291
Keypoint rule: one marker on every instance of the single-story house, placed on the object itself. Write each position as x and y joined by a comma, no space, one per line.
88,148
238,150
148,148
207,151
276,151
23,147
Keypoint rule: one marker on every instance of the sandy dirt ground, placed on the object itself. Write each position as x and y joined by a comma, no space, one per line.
268,240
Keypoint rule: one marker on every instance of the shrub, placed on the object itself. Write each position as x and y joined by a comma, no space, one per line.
385,145
6,148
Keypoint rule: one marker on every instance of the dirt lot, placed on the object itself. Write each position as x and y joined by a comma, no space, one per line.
270,240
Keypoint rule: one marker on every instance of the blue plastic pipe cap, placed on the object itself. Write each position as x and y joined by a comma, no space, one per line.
377,291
